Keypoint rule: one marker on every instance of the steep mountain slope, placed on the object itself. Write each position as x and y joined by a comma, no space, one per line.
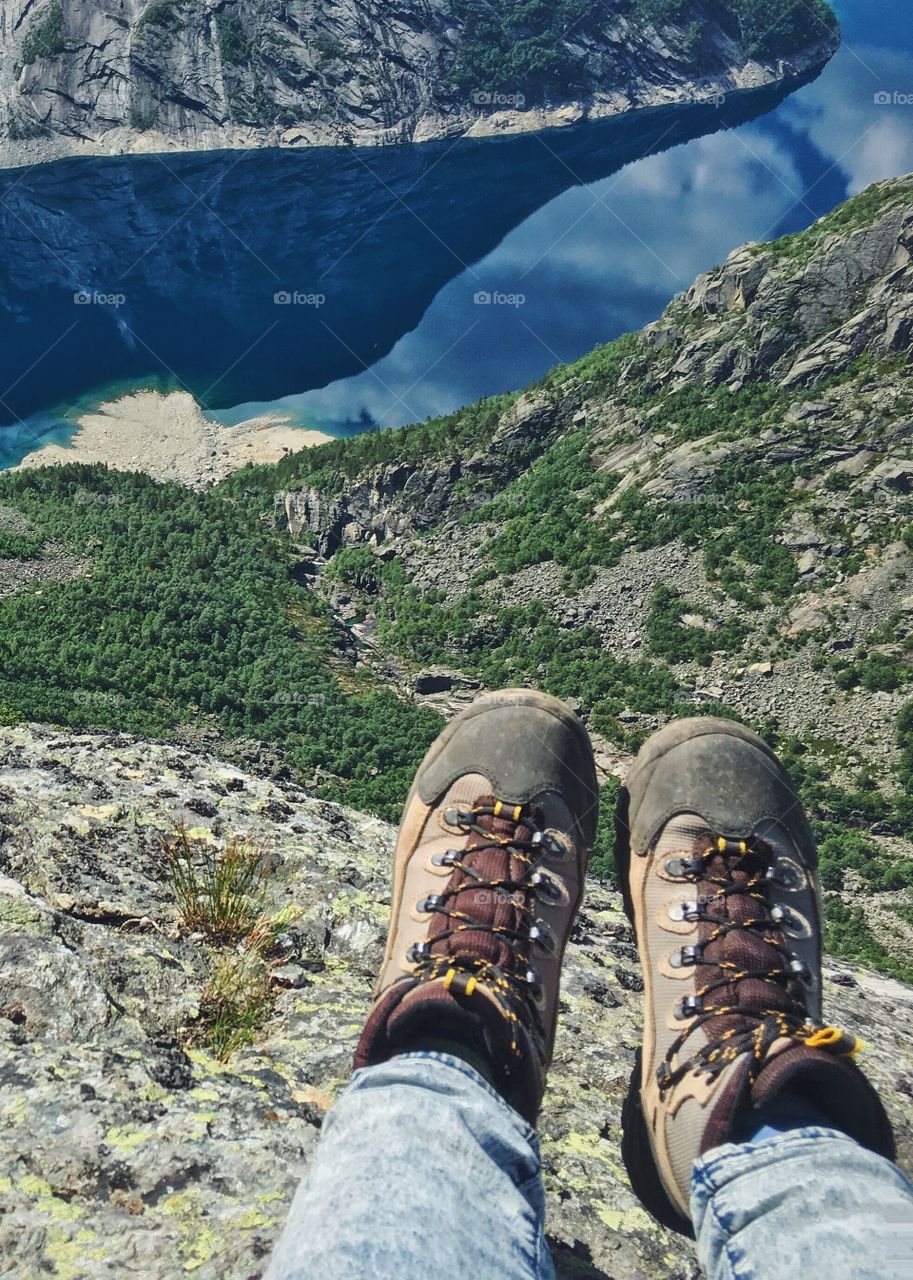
79,77
714,512
127,1146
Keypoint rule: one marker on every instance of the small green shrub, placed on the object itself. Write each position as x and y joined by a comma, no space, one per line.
356,566
44,38
659,12
849,937
143,119
328,47
520,45
874,672
768,28
234,1002
547,514
220,891
670,639
235,46
602,860
20,546
164,14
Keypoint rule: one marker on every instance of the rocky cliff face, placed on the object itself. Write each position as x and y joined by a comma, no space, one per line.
127,1145
80,76
401,498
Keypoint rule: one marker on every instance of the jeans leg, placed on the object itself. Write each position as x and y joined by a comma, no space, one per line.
808,1202
422,1169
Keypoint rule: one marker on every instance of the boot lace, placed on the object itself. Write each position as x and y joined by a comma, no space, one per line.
524,884
746,869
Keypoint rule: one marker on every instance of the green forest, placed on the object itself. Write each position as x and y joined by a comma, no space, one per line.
537,48
189,612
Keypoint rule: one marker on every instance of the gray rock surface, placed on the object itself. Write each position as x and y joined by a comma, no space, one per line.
81,77
125,1150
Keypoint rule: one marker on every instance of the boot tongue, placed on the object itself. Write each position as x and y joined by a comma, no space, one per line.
481,898
745,949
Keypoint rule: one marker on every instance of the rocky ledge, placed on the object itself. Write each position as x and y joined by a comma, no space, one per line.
127,1146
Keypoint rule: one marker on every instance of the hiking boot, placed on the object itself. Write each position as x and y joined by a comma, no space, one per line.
718,871
488,876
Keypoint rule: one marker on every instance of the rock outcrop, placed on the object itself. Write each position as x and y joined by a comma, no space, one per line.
404,497
77,76
126,1146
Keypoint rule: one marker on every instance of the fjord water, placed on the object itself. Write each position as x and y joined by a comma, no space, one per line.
348,288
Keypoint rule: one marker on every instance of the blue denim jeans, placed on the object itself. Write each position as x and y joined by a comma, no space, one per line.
423,1169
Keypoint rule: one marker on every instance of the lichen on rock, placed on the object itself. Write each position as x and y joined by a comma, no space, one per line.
124,1146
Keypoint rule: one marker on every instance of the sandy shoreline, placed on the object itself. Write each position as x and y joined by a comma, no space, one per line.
168,438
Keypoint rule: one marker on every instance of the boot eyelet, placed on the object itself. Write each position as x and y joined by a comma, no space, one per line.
784,876
683,868
687,1007
799,969
446,859
545,886
543,938
532,980
549,845
418,951
784,873
685,911
781,915
429,904
685,958
454,817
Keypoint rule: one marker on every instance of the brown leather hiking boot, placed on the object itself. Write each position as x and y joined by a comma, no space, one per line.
489,869
718,870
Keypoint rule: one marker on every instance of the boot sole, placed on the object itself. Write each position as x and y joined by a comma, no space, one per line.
505,697
663,741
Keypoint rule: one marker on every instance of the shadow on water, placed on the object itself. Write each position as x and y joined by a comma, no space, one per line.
142,268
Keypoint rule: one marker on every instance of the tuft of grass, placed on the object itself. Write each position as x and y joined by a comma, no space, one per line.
240,992
235,1000
221,894
220,891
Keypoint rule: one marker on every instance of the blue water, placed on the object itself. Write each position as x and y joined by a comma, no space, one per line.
576,236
